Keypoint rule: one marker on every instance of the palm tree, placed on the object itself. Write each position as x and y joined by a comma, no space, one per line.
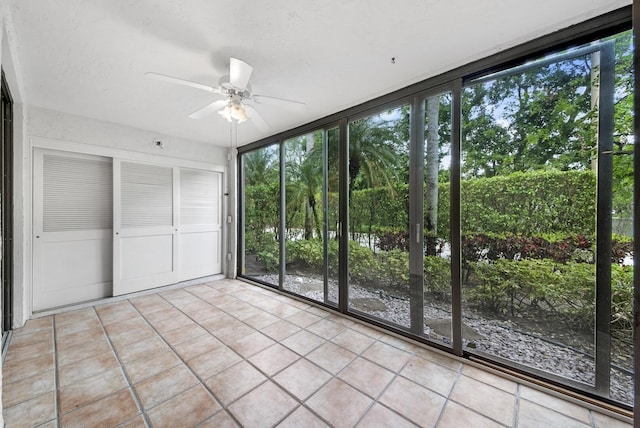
260,166
371,154
304,182
374,144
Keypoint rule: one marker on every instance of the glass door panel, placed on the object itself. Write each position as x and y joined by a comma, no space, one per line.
379,216
437,229
332,213
304,216
622,257
261,221
529,209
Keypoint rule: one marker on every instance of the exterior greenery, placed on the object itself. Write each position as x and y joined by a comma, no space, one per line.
528,189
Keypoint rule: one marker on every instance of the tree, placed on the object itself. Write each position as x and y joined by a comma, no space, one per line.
372,160
261,166
304,181
431,174
262,194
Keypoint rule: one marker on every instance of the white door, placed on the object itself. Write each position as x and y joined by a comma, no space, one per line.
72,228
145,231
200,223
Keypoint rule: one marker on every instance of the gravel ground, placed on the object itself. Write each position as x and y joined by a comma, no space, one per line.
500,338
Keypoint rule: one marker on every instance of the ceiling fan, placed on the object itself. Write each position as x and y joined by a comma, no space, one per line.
236,89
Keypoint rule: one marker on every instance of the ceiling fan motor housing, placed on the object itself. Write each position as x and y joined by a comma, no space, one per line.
227,88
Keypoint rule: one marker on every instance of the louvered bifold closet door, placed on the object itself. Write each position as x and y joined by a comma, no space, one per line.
200,223
72,230
145,226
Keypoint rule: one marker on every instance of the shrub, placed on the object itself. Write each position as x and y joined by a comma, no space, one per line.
305,252
568,289
622,298
557,247
437,277
268,251
394,241
363,266
393,268
532,202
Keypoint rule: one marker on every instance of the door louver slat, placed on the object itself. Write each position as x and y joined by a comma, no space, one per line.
147,195
198,198
77,194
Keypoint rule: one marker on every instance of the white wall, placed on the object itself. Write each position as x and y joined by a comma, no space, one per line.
32,123
36,124
65,127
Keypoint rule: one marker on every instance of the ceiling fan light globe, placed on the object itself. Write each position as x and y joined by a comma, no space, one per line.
226,113
239,114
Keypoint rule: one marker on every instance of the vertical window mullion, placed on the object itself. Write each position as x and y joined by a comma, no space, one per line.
343,258
325,215
456,243
283,216
416,204
604,214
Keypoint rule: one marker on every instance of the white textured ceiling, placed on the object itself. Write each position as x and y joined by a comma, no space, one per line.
88,57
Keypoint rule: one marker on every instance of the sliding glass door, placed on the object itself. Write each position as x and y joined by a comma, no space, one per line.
311,216
379,216
546,247
261,217
490,215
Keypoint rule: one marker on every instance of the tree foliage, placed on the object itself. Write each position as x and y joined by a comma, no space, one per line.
528,158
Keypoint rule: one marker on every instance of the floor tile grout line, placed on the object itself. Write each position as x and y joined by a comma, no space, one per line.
449,399
132,390
51,331
267,377
448,396
396,374
516,407
175,352
300,403
379,339
319,306
335,376
271,378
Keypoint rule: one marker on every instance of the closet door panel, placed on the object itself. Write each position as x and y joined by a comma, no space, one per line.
145,226
72,228
200,223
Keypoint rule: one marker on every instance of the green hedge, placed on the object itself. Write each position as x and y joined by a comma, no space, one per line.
568,289
529,203
539,203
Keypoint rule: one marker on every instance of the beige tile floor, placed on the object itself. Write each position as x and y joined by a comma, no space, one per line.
228,353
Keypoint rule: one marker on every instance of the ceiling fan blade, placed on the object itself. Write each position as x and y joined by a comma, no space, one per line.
208,109
256,98
260,123
182,82
240,73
